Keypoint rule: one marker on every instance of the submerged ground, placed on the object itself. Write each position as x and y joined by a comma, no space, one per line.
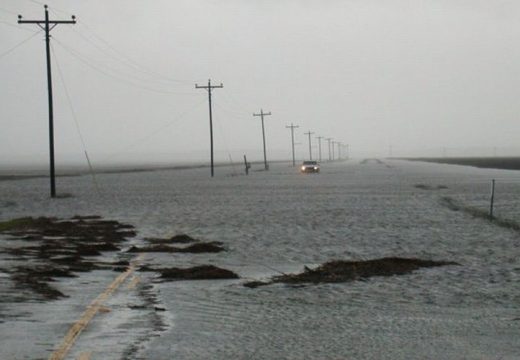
507,163
278,222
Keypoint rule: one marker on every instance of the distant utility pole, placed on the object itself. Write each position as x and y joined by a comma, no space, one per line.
329,140
209,87
262,114
348,151
319,146
310,147
339,150
47,25
333,142
292,127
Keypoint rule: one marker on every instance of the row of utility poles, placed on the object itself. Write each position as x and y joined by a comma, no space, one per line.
209,88
330,141
47,25
332,157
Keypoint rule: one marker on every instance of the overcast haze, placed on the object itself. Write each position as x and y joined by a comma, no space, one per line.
424,77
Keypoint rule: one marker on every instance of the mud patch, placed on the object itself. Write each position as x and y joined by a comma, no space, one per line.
344,271
203,272
430,187
203,247
177,239
52,248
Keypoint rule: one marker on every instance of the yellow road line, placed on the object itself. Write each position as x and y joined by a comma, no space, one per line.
89,313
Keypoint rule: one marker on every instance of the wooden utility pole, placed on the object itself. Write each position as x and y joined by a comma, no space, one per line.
310,147
209,87
319,146
292,127
329,140
262,114
47,25
333,142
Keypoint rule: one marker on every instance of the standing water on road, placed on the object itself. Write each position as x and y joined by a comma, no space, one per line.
277,222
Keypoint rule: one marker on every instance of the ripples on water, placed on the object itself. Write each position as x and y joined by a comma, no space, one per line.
281,220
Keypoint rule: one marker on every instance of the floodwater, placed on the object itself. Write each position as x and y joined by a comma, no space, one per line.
279,221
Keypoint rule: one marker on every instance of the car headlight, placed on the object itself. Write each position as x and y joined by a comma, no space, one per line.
303,167
315,168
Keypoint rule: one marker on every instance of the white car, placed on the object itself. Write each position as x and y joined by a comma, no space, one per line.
310,167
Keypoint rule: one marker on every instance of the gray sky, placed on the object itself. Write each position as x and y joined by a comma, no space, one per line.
419,76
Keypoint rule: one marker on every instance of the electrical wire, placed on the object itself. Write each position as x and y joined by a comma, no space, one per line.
73,112
224,138
144,138
236,103
83,59
120,61
129,60
114,54
37,2
5,53
117,55
159,129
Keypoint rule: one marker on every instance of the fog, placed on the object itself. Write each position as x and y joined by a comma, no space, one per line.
399,78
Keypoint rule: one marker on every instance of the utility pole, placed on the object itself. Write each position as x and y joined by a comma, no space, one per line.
47,25
292,127
329,140
262,114
209,87
333,142
339,150
319,146
310,148
348,151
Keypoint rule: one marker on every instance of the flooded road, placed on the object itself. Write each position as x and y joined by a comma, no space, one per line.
278,222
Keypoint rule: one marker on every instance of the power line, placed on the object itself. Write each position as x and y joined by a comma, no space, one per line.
225,140
86,62
159,129
73,112
122,61
18,45
129,60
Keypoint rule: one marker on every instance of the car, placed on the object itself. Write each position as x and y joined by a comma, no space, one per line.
310,167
